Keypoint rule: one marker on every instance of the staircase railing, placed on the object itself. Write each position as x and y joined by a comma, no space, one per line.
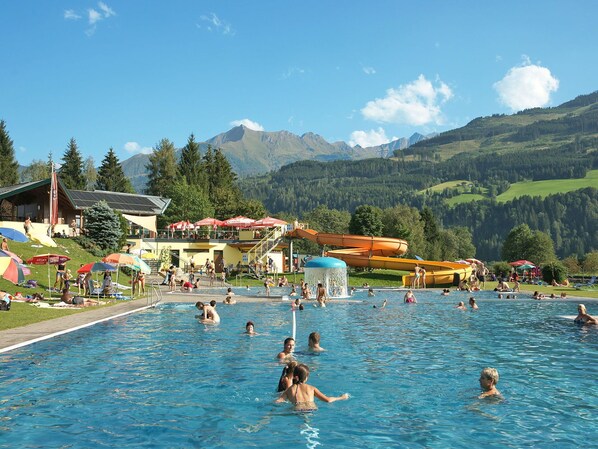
153,295
264,246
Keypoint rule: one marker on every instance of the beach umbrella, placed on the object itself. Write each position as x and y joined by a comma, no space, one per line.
43,239
268,222
239,222
11,270
518,263
95,267
119,259
140,265
48,259
526,266
8,253
209,222
473,260
149,256
13,234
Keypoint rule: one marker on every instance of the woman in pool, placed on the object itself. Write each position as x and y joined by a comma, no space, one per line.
321,295
302,395
488,381
583,317
287,352
286,378
461,306
250,328
410,297
473,304
210,316
313,342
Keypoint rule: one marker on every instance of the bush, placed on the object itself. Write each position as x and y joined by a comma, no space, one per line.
501,268
554,270
88,245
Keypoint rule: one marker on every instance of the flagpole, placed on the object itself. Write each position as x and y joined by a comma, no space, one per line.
50,287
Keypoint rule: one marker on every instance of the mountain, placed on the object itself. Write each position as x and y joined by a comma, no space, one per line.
257,152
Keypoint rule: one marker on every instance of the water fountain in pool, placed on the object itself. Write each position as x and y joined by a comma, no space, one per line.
331,272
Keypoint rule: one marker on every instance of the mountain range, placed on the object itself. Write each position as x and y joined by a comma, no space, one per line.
253,152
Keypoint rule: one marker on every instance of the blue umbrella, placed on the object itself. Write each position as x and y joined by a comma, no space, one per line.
13,234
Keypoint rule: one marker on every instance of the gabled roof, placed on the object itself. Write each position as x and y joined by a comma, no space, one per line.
128,203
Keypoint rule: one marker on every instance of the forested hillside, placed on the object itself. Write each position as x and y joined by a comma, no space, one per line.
539,144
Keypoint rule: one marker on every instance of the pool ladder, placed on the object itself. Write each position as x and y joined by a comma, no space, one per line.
154,295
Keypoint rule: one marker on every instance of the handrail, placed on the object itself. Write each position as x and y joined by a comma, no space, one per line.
153,293
264,246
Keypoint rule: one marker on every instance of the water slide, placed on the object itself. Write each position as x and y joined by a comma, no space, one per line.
383,252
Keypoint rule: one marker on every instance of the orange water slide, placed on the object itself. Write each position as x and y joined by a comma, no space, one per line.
382,252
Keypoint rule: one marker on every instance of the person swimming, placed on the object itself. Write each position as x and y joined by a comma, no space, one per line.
409,297
250,328
287,352
210,316
286,377
313,342
461,306
488,381
302,395
583,317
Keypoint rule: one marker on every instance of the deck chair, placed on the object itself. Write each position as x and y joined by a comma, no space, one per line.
590,283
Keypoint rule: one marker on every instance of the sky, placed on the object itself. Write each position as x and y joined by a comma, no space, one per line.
125,74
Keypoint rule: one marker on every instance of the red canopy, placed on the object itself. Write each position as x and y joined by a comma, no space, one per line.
52,259
239,222
518,263
181,225
209,222
269,222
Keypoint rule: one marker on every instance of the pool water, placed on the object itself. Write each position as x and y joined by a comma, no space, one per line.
159,379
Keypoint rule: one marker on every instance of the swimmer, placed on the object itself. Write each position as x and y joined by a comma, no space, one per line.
321,295
488,381
583,317
445,292
473,304
286,378
371,292
287,352
229,297
353,290
302,395
461,306
313,342
250,328
210,316
410,297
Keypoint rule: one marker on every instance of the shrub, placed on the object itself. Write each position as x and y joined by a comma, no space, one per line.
554,270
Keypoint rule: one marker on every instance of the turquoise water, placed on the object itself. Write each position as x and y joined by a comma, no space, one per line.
159,379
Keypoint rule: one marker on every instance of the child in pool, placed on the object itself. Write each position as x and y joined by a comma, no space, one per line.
313,341
488,381
302,395
286,378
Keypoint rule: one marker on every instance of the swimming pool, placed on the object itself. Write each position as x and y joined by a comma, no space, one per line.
160,379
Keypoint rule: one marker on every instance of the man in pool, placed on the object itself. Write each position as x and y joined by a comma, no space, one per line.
302,395
488,381
313,342
461,306
287,352
473,304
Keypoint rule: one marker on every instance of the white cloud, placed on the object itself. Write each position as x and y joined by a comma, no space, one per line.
417,103
526,86
212,22
93,16
70,14
369,70
293,71
248,124
106,9
135,148
371,138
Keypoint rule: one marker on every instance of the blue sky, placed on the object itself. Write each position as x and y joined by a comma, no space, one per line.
125,74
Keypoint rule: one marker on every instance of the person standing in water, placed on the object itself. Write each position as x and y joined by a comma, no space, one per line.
321,297
313,342
287,352
488,381
302,395
410,297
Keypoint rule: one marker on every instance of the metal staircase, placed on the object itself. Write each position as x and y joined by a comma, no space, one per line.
264,246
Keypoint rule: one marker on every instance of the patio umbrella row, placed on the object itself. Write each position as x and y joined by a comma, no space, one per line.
235,222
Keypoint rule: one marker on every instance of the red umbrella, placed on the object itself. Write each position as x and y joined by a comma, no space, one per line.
239,222
119,258
11,270
52,259
521,262
181,225
209,222
269,222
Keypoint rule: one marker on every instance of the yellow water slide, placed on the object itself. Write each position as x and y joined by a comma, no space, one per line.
382,252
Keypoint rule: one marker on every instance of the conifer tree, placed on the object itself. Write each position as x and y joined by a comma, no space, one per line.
190,166
111,176
207,163
9,167
71,172
103,226
162,169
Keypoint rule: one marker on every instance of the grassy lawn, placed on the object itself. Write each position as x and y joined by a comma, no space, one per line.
464,198
548,187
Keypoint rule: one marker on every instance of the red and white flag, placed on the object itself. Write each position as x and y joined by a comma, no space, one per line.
54,199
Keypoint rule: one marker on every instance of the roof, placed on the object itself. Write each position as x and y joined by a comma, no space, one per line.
124,202
8,191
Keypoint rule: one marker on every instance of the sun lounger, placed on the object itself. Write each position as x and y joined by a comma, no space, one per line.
590,283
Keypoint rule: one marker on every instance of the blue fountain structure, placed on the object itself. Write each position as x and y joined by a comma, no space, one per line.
331,272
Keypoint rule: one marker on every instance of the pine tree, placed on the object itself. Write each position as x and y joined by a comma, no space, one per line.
71,172
111,176
190,167
9,167
91,174
162,169
207,163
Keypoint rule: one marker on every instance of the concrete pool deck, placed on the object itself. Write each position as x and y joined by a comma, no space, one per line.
22,336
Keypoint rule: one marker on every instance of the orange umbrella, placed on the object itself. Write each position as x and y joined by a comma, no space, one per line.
119,259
